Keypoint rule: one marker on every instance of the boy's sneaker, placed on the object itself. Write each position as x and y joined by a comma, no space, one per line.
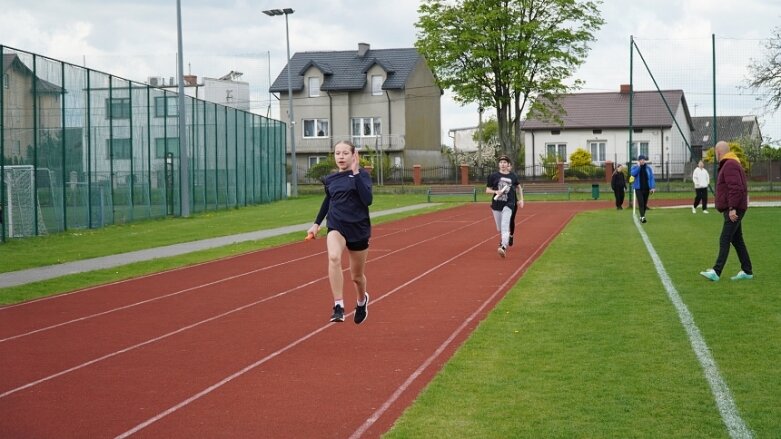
705,211
694,210
338,315
742,275
710,274
502,250
643,220
361,311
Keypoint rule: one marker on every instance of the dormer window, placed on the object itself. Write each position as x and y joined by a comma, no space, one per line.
376,85
314,87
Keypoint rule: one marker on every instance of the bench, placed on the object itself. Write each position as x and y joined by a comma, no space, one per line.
460,189
547,188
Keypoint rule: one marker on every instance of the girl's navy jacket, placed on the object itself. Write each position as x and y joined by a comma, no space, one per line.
346,203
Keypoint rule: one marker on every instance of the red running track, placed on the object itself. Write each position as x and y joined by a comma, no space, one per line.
242,347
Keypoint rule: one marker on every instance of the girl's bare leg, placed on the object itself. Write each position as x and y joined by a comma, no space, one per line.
336,245
357,270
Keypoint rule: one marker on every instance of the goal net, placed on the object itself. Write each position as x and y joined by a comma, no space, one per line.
22,205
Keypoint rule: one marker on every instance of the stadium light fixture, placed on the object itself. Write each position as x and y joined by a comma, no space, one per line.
294,171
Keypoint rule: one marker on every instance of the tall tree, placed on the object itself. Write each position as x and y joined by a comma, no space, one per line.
765,75
506,54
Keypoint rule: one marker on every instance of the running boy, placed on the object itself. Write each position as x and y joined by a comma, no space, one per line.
506,192
348,195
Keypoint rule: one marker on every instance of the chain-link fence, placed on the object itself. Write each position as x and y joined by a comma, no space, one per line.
715,101
81,148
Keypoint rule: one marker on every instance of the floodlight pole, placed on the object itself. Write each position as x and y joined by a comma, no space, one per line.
184,158
291,113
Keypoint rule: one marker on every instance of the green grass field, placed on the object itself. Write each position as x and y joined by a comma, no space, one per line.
588,345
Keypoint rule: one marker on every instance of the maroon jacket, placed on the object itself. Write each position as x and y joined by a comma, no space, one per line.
731,188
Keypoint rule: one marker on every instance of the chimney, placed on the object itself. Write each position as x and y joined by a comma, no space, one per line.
625,88
362,49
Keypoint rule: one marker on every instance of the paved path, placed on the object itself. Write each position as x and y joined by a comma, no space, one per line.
22,277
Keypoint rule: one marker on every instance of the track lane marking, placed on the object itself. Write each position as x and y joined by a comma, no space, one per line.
265,359
165,296
728,410
215,317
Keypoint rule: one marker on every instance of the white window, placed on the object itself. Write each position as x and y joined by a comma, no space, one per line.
376,85
118,149
118,108
165,145
315,159
6,80
597,150
316,128
363,127
314,87
633,153
166,106
558,150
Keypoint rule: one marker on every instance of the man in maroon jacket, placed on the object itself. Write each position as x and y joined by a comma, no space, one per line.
732,202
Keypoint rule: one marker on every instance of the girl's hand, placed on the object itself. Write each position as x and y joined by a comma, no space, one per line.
356,163
520,203
313,230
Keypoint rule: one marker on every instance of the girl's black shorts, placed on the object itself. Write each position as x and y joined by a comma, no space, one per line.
355,246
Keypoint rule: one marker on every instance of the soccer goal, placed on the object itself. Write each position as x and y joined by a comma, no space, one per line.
22,205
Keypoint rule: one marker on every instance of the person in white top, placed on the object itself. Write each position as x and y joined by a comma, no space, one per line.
701,180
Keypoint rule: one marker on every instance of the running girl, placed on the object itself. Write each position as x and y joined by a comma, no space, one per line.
348,195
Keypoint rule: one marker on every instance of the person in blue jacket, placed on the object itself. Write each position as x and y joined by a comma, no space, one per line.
644,184
348,195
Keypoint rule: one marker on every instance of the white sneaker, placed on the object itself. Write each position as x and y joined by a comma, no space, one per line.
705,211
694,210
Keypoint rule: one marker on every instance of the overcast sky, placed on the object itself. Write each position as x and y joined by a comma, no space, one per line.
136,39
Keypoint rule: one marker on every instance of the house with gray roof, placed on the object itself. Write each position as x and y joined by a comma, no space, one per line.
22,92
741,129
381,99
599,123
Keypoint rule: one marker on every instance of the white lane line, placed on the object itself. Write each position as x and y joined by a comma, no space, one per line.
152,340
193,325
176,293
226,258
252,366
729,411
408,382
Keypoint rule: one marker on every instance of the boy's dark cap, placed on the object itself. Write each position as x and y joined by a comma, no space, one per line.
505,158
642,157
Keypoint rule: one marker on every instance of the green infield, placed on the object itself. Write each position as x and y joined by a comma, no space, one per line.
588,344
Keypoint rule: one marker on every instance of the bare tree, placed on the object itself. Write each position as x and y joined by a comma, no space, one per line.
765,75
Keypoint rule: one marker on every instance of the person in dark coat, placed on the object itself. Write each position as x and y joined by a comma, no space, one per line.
732,202
618,184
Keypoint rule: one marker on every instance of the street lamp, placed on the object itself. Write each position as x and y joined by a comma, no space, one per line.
294,173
